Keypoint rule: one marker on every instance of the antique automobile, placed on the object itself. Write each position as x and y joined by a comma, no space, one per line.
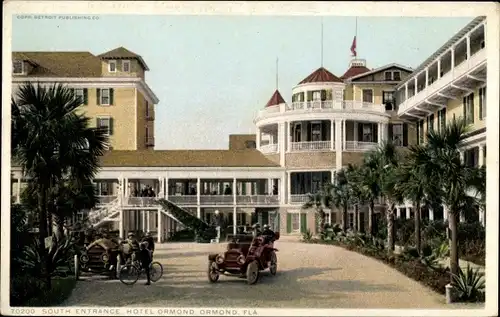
101,257
244,257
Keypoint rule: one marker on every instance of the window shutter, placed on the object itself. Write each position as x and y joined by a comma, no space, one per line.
390,131
309,95
303,222
360,132
288,223
85,96
111,126
375,132
111,93
98,94
405,134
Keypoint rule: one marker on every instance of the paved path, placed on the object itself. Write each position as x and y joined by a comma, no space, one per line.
309,276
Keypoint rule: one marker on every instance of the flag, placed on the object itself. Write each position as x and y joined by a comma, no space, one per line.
353,47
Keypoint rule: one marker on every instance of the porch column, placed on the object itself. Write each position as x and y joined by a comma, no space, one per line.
160,227
439,68
431,214
18,190
462,156
122,224
235,218
289,187
144,227
408,213
356,136
166,187
406,91
282,191
269,186
338,144
148,221
398,212
126,189
282,145
416,85
257,138
332,135
198,189
452,50
467,39
426,76
344,134
481,155
234,191
288,136
379,134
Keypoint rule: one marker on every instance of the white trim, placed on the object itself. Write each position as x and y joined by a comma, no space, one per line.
377,70
23,68
111,62
127,62
369,116
95,82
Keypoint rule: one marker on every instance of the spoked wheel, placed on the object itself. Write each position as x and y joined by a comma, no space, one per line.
273,266
156,271
213,273
252,272
129,274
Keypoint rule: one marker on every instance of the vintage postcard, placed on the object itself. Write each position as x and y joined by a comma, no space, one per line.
249,158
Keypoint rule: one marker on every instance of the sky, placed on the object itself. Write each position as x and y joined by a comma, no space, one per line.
213,73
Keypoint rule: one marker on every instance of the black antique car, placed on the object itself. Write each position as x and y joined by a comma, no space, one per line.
245,257
101,257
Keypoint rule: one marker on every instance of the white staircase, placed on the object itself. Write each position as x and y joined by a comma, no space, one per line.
105,213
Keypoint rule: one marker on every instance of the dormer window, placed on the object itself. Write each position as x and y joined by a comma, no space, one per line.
126,66
18,67
396,75
388,75
112,66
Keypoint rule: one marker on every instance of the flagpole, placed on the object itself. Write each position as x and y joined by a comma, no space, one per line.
356,36
321,41
277,59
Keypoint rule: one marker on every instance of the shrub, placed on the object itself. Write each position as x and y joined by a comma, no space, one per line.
60,291
307,236
470,284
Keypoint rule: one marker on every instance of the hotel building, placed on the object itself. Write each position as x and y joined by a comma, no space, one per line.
328,122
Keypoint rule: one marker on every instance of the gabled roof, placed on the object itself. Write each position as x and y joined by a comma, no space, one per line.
354,71
321,75
275,100
123,53
380,69
61,64
186,158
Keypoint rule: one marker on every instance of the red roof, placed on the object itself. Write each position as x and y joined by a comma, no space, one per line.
275,100
320,75
354,71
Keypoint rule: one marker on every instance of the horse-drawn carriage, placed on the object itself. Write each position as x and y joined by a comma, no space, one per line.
245,257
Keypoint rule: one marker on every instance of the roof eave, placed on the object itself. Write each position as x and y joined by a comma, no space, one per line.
381,69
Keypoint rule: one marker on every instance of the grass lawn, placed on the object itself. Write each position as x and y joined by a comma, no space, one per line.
61,290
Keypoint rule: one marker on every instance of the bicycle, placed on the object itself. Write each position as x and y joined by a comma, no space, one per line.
131,271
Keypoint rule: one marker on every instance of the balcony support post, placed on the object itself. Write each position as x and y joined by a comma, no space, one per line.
235,219
356,136
289,186
406,91
344,134
122,225
198,190
415,89
332,135
234,191
166,187
439,68
258,137
338,144
467,41
282,147
160,226
452,50
426,77
18,190
481,155
282,191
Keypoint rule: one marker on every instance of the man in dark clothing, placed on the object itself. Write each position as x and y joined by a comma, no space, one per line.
275,190
151,243
227,190
145,258
268,234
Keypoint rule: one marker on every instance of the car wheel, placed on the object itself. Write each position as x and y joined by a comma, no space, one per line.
252,272
273,266
213,273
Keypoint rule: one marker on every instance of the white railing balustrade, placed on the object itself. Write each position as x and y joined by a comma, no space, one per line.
269,148
140,201
257,200
299,199
360,146
216,199
105,200
184,199
311,146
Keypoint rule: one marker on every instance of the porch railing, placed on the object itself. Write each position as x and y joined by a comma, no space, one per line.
269,148
310,146
299,199
257,200
184,199
216,199
360,146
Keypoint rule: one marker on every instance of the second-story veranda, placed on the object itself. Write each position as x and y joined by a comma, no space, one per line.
458,67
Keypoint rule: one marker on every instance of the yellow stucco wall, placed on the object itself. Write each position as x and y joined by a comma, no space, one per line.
136,69
455,107
142,122
377,91
123,113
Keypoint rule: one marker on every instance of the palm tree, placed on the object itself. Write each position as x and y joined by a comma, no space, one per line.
341,195
455,179
51,140
358,198
318,201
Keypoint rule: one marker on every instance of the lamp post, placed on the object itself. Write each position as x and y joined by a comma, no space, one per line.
217,223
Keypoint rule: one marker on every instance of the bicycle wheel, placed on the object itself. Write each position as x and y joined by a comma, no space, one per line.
129,274
156,271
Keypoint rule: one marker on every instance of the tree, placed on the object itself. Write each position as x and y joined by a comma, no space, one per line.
359,196
456,181
318,201
50,140
341,195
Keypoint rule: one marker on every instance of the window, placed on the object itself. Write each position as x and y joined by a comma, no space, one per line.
317,95
420,132
105,123
367,132
482,103
442,119
126,66
468,107
112,66
388,100
396,75
397,134
368,95
18,67
388,75
430,123
81,94
316,131
105,97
